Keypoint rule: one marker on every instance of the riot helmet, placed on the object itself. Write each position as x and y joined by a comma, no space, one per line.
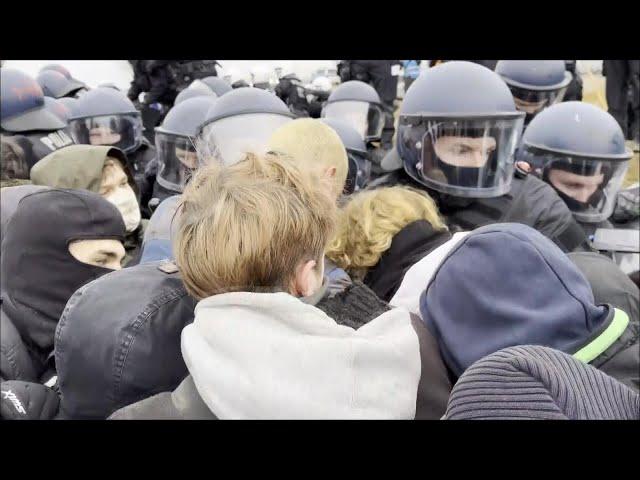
358,104
217,85
196,89
458,131
580,151
104,116
58,108
240,121
56,85
535,84
175,142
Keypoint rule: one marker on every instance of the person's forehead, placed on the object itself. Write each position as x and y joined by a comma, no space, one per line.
466,140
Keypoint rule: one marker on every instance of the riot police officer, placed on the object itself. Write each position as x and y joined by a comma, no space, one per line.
535,84
357,154
457,134
104,116
186,71
26,118
240,121
579,150
55,85
176,156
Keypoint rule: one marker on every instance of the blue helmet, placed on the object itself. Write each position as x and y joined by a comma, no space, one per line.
56,85
58,108
240,121
579,149
175,141
217,85
359,162
359,104
458,131
23,107
105,116
535,84
196,89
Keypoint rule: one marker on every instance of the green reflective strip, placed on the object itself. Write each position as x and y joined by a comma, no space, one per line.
617,327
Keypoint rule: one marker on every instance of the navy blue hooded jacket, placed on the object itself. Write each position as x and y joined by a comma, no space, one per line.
506,285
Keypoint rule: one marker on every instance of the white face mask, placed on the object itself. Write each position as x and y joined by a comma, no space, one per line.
125,201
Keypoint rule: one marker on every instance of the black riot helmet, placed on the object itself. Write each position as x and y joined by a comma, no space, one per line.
580,151
358,104
458,131
357,154
240,121
535,84
104,116
175,142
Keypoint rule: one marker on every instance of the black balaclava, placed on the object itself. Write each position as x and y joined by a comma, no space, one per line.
38,272
587,169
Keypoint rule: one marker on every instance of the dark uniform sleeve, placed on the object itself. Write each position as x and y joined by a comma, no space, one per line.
28,401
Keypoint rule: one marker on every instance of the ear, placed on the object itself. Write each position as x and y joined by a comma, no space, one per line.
304,282
330,172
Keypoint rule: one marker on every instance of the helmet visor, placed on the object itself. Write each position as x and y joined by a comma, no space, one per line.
533,102
367,118
123,131
177,160
463,157
588,186
359,172
229,139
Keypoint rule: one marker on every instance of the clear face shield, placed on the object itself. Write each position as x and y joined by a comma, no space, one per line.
123,131
359,172
367,118
464,157
229,139
533,102
177,160
588,186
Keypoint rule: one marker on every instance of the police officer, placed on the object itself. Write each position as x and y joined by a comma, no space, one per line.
457,135
357,154
383,76
26,118
186,71
359,104
292,92
580,151
317,94
104,116
67,74
176,156
55,85
240,121
535,84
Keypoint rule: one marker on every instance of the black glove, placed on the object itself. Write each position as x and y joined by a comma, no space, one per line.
28,401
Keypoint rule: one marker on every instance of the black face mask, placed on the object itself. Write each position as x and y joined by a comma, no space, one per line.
467,176
39,274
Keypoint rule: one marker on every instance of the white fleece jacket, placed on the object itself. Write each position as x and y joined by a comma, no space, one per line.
271,356
418,276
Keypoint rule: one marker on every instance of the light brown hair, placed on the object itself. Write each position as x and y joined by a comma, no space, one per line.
248,226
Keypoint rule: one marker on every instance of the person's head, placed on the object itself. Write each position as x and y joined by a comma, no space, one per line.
458,131
507,284
100,169
258,225
56,241
580,151
104,116
175,141
369,221
535,84
239,122
13,163
315,147
115,188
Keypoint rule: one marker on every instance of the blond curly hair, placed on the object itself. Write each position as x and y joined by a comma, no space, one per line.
370,219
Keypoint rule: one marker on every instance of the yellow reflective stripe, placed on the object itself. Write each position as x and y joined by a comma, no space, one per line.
613,332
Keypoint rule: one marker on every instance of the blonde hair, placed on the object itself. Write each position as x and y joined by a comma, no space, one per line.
248,226
315,147
370,219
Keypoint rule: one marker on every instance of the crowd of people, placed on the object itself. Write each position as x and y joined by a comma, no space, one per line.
193,249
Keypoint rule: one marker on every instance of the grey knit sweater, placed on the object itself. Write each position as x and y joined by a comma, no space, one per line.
539,383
